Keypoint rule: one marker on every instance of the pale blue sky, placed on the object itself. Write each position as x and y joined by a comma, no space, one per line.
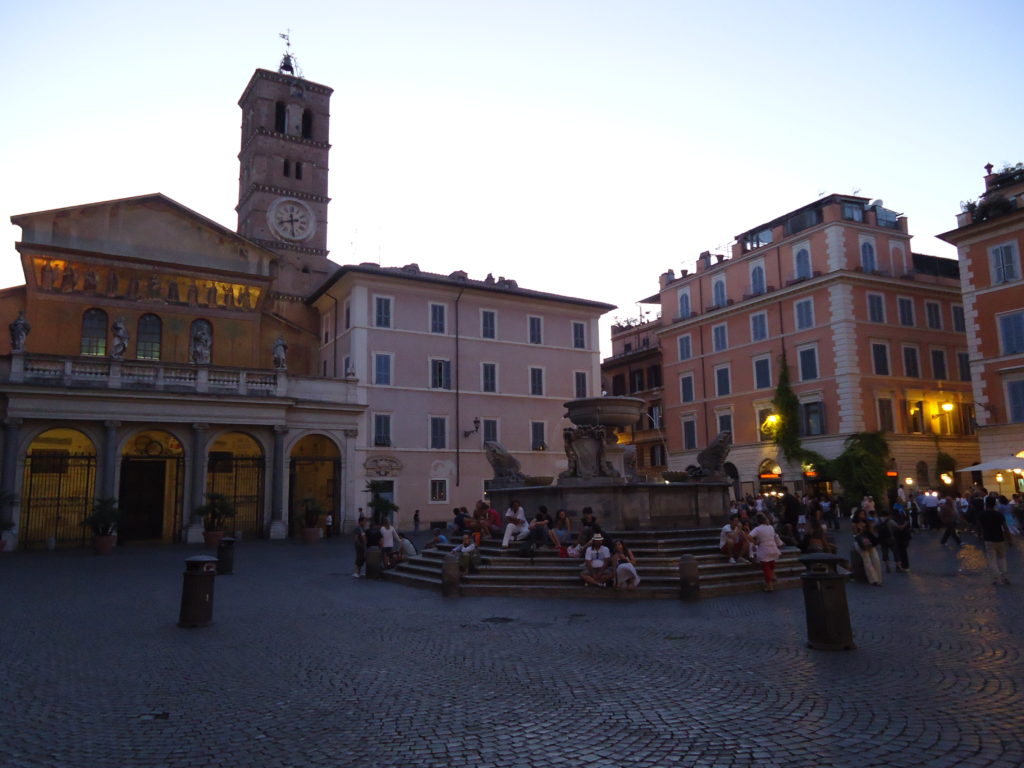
578,147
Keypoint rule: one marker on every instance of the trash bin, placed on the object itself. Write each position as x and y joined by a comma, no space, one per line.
450,576
689,578
226,556
374,566
828,615
197,591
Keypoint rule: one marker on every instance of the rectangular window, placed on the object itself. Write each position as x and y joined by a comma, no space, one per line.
536,381
490,427
437,318
911,363
579,381
804,314
762,419
723,382
963,365
721,338
440,374
915,416
959,323
812,418
880,359
1004,265
853,211
653,417
382,429
759,326
537,442
382,369
536,334
886,423
579,336
762,373
488,324
438,432
382,312
725,422
906,310
686,388
438,491
1011,333
618,384
933,315
876,308
636,381
489,377
808,359
685,349
939,364
1015,400
689,434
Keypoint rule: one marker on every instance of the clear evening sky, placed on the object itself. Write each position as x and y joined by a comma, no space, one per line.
577,146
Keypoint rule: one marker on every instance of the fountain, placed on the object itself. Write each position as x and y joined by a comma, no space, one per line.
598,477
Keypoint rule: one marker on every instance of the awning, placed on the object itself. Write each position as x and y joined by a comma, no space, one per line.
1007,463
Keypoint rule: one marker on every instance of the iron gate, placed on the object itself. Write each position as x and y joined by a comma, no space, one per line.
57,496
144,498
328,494
240,478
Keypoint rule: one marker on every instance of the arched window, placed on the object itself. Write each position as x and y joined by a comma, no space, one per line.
287,168
280,117
719,293
757,282
684,304
147,344
803,263
923,480
201,342
94,332
307,123
867,258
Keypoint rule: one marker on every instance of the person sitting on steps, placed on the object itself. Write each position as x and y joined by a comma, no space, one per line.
597,570
516,525
733,541
469,555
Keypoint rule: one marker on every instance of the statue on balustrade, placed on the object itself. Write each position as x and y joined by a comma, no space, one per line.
121,337
280,353
20,330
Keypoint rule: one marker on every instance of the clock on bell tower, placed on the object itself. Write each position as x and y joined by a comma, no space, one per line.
282,185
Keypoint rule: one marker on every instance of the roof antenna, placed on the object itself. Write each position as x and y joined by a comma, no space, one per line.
289,64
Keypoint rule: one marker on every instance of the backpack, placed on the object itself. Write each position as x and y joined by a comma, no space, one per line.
527,549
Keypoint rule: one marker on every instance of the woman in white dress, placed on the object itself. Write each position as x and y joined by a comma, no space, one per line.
624,563
865,540
769,547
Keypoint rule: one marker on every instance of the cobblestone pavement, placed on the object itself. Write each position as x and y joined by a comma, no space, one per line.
306,666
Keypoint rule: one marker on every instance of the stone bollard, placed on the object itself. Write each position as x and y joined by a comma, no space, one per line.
373,569
689,578
450,576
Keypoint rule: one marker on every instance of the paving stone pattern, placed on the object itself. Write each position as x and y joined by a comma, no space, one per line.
306,666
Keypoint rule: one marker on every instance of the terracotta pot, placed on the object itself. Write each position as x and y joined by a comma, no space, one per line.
103,545
310,535
212,538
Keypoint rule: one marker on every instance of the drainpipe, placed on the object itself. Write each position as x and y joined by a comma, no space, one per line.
458,429
334,344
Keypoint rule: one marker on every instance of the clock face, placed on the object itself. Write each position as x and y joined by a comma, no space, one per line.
291,219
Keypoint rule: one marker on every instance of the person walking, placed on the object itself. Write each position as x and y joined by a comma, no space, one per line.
901,535
948,515
359,540
416,521
769,547
865,540
996,536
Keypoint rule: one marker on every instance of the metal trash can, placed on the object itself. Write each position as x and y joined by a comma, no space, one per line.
689,578
197,591
374,566
828,615
226,556
450,575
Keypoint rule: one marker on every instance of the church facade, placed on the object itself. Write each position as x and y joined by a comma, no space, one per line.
156,357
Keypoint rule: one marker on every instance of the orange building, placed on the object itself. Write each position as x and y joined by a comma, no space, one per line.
989,238
873,335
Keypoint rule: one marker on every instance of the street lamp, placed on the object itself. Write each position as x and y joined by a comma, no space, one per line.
999,479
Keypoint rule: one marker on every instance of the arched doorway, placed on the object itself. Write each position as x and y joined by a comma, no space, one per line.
769,473
314,472
235,469
152,483
58,489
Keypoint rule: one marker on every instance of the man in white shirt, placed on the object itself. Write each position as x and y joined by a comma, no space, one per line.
516,525
732,541
597,563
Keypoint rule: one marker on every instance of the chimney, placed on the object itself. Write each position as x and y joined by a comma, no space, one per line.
665,278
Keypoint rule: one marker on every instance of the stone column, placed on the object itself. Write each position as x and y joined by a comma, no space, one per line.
109,459
347,481
9,473
278,525
197,492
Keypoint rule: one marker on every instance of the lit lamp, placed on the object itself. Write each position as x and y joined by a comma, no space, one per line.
908,481
946,478
947,406
999,479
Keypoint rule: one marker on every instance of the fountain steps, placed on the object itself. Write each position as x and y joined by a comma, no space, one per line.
504,572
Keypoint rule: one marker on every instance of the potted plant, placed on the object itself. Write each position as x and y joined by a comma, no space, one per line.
311,512
103,522
215,512
382,507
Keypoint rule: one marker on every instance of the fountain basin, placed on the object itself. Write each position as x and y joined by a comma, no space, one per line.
604,411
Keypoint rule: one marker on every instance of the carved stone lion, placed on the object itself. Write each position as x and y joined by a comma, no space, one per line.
506,466
712,459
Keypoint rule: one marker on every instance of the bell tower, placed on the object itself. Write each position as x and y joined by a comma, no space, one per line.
282,184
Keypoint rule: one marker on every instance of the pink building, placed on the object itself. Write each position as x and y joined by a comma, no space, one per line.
873,335
989,238
446,363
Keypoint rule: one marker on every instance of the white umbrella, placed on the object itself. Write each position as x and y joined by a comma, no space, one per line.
1003,462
